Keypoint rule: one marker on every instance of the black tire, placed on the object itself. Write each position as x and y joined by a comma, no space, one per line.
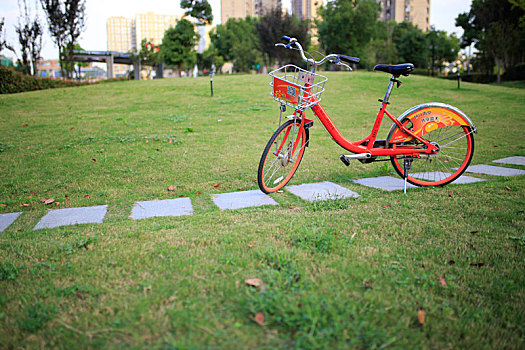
446,165
276,170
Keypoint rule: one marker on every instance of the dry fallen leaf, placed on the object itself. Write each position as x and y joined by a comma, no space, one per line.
508,188
25,205
47,200
254,282
442,282
57,203
93,159
259,318
171,188
25,126
421,316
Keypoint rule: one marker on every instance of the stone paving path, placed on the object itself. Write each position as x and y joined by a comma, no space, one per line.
72,216
165,207
320,191
239,200
517,160
494,170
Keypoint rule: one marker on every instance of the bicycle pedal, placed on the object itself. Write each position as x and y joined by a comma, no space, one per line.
344,160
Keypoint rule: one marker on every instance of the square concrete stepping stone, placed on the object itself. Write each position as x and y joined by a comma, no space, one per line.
516,160
72,216
494,170
321,191
244,199
387,183
7,219
165,207
463,179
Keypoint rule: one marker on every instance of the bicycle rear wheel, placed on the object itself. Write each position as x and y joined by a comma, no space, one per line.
456,148
281,156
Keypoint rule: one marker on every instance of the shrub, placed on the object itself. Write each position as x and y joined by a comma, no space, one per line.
13,82
515,73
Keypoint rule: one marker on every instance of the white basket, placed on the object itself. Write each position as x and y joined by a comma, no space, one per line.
296,87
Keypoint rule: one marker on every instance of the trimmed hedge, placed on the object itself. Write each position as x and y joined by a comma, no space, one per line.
13,82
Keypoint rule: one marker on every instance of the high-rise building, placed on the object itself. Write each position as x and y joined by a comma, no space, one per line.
126,34
262,6
306,9
152,27
243,8
415,11
236,9
120,38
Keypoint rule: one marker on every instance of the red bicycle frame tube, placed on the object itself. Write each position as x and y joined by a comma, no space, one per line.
367,144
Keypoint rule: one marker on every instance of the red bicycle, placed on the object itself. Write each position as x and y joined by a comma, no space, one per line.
434,141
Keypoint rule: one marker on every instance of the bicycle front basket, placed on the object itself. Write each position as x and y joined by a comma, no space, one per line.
296,87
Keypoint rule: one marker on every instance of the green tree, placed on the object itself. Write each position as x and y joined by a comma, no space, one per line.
496,28
198,9
347,26
237,42
178,45
29,32
3,42
382,48
270,29
66,21
443,47
411,43
210,57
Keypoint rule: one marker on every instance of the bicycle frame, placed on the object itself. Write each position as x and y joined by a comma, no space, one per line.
369,144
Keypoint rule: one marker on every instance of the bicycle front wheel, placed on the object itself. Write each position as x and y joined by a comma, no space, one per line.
456,148
281,156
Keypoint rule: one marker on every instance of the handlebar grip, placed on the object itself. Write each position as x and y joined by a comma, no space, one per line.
287,38
349,59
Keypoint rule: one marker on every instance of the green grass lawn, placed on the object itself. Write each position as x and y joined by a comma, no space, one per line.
437,268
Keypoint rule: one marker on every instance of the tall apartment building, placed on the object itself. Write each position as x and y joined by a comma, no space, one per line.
415,11
152,27
243,8
306,9
126,34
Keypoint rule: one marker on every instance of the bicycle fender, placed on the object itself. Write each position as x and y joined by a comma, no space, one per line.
427,117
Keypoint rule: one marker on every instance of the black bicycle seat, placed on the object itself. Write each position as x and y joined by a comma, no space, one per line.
395,69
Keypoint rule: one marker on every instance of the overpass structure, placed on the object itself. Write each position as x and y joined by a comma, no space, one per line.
112,57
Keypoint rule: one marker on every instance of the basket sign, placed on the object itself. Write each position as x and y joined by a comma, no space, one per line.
285,91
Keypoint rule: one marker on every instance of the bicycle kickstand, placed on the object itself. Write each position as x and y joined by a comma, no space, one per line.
407,164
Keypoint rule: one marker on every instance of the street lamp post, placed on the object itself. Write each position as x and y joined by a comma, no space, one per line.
212,73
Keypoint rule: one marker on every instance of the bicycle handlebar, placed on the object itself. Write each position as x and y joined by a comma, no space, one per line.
333,58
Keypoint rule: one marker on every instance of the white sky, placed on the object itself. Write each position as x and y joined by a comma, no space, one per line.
442,16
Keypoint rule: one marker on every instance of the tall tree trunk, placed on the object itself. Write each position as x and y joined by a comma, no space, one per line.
499,63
